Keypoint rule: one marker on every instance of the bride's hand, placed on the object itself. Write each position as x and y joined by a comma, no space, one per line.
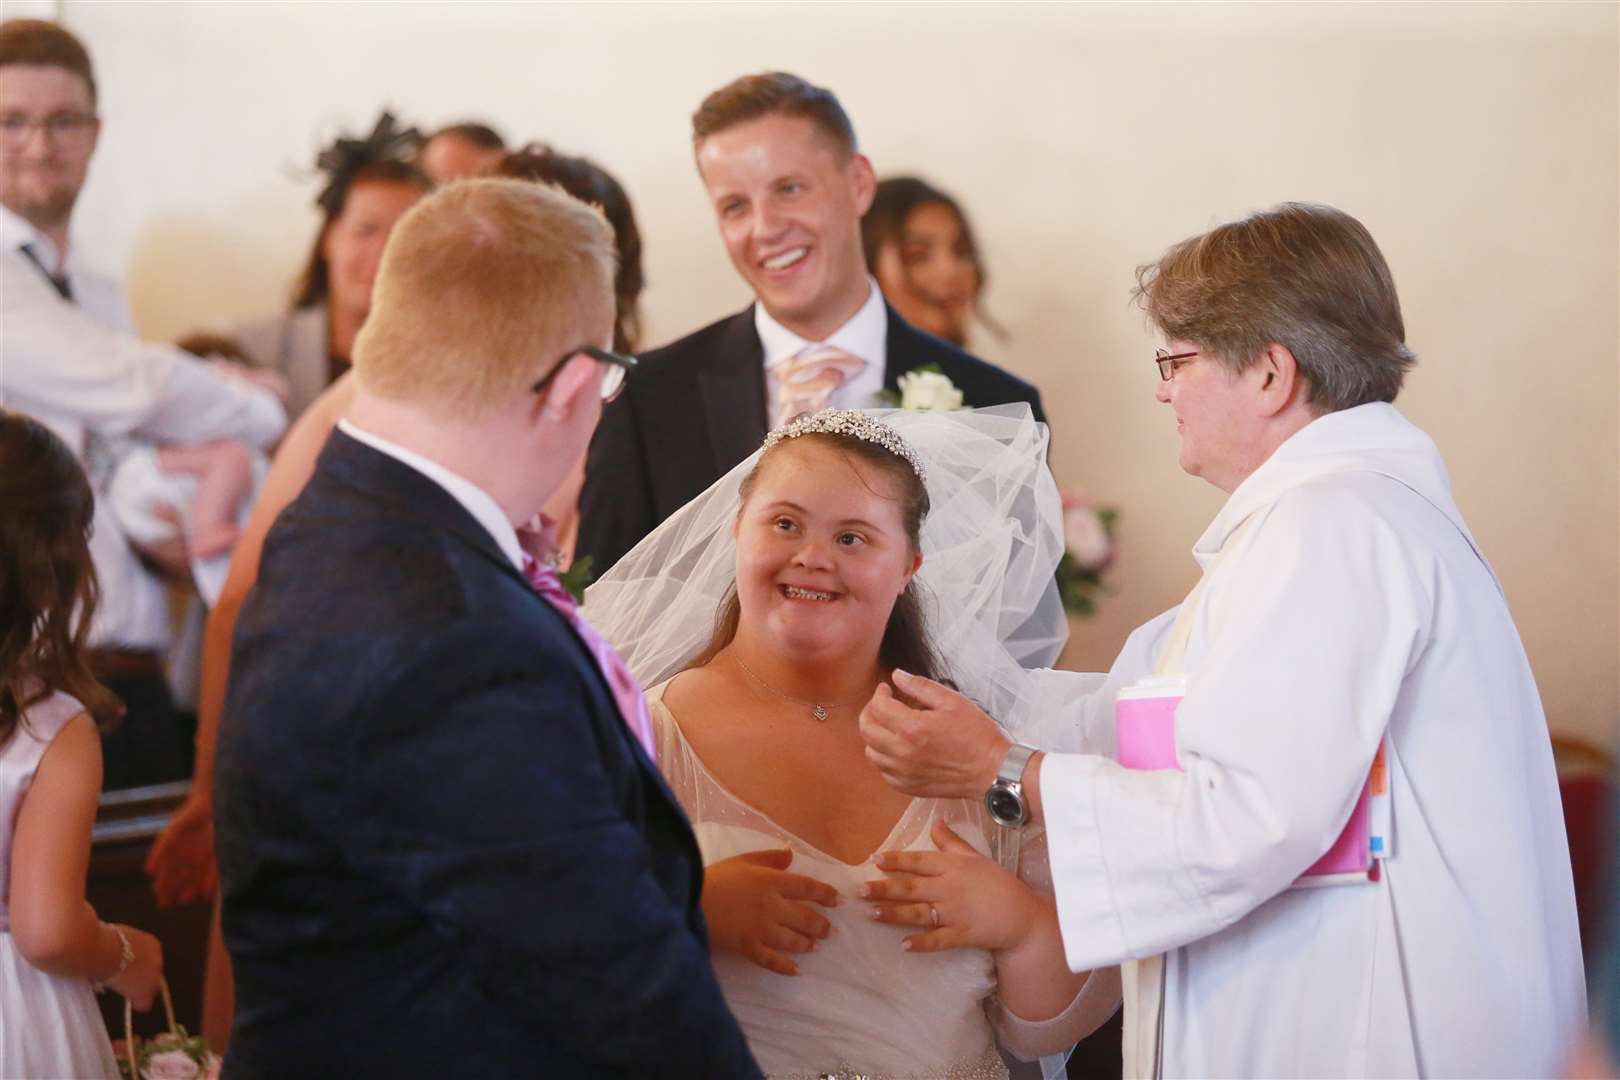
979,905
758,910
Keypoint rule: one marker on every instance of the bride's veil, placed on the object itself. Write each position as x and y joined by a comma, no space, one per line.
991,542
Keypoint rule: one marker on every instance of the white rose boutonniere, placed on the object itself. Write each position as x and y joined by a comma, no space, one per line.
928,389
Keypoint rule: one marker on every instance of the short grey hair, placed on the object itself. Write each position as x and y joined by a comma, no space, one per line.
1302,275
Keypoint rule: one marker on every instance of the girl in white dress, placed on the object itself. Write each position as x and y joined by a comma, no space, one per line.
758,737
51,943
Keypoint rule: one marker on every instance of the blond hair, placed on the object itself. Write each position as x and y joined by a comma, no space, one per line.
484,286
1302,275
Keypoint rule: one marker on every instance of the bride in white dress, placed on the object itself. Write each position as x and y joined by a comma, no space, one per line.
829,571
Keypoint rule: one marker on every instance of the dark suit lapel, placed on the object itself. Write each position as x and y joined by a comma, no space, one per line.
900,350
731,384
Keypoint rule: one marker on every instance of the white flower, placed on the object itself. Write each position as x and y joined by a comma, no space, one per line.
171,1065
1086,538
929,391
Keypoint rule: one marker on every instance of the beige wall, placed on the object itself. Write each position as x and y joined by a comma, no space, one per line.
1478,142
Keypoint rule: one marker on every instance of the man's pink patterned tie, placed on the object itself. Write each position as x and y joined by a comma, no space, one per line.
542,578
806,381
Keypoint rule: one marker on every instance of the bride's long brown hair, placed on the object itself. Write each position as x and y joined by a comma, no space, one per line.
906,643
48,588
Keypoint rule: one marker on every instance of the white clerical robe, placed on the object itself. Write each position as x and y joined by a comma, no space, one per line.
1355,607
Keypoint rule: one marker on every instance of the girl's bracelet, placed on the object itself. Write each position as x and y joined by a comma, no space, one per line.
128,957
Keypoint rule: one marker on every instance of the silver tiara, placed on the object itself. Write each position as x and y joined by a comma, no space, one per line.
855,424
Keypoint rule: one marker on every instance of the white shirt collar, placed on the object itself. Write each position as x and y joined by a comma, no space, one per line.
474,499
865,334
15,231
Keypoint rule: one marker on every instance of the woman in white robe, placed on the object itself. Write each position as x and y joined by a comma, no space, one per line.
1344,607
1355,609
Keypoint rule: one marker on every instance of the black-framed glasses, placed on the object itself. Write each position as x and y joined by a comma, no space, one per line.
1168,362
60,129
612,382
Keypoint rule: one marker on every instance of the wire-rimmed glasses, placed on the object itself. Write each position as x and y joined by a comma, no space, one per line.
1169,362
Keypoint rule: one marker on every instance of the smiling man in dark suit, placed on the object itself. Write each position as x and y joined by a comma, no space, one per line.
444,847
788,187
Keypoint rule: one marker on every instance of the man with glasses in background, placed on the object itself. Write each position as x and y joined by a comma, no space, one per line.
1347,644
70,358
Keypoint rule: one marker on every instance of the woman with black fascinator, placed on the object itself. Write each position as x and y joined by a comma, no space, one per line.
370,183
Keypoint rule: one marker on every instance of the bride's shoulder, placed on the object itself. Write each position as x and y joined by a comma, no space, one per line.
693,695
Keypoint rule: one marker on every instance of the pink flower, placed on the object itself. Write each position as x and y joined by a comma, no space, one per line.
538,539
171,1065
215,1063
1084,535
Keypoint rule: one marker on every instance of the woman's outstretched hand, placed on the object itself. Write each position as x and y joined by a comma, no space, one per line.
980,905
181,862
755,908
930,741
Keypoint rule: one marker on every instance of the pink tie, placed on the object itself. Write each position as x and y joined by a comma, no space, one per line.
805,382
542,578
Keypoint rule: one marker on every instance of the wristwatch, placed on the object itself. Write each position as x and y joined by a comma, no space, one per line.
1005,799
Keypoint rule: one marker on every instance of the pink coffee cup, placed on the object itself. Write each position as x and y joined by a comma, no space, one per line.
1145,722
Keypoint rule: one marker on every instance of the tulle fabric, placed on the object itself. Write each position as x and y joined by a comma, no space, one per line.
991,543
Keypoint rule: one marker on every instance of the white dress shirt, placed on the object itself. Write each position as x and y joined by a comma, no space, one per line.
473,499
78,368
865,335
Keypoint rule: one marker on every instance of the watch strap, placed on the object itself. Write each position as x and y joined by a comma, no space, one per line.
1012,766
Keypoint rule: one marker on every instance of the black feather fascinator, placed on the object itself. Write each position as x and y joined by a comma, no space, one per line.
347,156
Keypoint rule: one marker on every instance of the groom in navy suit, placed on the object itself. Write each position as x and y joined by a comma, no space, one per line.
444,847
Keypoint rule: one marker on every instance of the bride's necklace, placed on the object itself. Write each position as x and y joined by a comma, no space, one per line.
817,710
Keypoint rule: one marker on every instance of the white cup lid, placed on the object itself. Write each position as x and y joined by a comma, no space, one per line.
1154,686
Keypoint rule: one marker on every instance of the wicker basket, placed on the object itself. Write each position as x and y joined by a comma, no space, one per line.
132,1045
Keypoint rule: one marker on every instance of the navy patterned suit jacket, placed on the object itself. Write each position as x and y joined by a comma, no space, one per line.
442,852
695,408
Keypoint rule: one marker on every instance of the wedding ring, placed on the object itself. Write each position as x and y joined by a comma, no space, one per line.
934,911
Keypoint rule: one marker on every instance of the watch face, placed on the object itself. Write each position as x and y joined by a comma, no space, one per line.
1005,807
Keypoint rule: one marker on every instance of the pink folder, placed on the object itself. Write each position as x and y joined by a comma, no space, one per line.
1145,731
